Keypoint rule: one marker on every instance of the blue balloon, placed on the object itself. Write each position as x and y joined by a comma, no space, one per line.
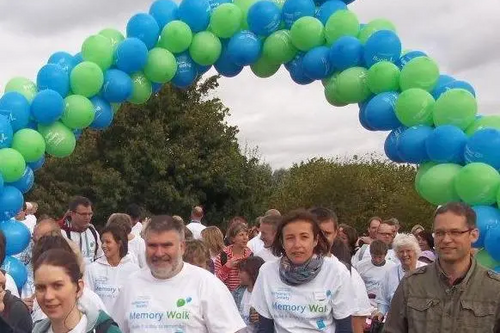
441,89
186,71
131,55
446,144
487,217
164,11
37,165
53,77
492,243
362,117
348,1
11,202
103,113
296,70
16,108
391,145
16,269
383,45
6,132
78,58
264,18
409,56
346,52
380,114
316,63
329,8
482,146
244,48
25,183
117,87
294,9
1,182
224,65
202,69
156,86
195,13
411,145
144,27
65,60
77,133
47,107
443,80
216,3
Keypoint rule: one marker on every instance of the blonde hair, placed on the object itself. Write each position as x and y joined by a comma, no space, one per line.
122,220
196,252
406,240
213,237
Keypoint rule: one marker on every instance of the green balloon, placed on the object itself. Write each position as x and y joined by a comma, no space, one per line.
374,26
483,122
176,37
383,76
12,164
23,86
29,143
113,35
278,47
143,89
60,140
326,81
455,107
78,112
161,65
331,92
115,107
86,79
414,107
307,32
477,184
264,68
99,50
486,260
422,169
437,184
341,23
205,48
226,20
420,72
352,85
244,5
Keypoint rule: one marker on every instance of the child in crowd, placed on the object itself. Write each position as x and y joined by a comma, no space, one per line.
197,254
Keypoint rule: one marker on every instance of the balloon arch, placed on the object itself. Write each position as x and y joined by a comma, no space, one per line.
432,118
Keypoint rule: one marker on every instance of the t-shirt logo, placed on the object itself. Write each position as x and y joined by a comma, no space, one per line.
181,302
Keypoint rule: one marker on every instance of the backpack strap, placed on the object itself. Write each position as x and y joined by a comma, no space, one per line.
362,251
94,234
68,234
104,326
223,258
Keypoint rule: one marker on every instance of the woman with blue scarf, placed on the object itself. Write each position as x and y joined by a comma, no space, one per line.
302,292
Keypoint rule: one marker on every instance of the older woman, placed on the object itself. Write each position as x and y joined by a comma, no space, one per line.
302,291
408,251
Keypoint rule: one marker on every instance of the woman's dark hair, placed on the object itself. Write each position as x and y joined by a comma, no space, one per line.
251,266
122,220
49,242
66,260
341,251
352,237
119,235
300,215
3,245
427,236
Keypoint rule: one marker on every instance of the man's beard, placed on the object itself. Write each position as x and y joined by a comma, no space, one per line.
172,268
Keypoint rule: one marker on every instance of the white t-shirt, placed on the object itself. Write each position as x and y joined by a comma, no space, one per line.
255,244
390,256
193,301
106,281
266,254
309,307
137,228
11,285
86,243
245,311
363,306
137,250
196,228
389,285
81,327
373,275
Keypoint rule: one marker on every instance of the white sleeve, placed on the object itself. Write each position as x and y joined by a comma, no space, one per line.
382,297
342,301
363,306
120,310
220,319
10,285
91,297
258,298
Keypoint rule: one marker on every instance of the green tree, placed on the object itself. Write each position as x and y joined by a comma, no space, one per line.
172,153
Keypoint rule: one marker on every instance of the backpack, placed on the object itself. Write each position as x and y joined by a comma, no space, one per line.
94,234
104,326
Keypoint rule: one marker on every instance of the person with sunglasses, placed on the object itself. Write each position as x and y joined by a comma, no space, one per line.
453,294
76,226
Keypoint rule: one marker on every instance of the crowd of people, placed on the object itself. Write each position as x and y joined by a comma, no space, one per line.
298,272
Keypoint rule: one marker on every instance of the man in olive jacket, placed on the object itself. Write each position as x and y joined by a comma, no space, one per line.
454,294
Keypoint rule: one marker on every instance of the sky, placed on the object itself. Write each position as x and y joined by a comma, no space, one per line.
288,123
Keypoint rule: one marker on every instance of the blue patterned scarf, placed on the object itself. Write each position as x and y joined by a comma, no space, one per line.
295,275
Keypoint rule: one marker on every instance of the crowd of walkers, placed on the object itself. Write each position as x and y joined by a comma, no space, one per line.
298,272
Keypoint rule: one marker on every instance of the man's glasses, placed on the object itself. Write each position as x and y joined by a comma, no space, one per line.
451,233
85,214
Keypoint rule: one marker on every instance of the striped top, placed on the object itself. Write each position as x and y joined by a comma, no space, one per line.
229,275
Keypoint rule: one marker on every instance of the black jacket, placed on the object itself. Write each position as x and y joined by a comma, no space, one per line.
15,317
